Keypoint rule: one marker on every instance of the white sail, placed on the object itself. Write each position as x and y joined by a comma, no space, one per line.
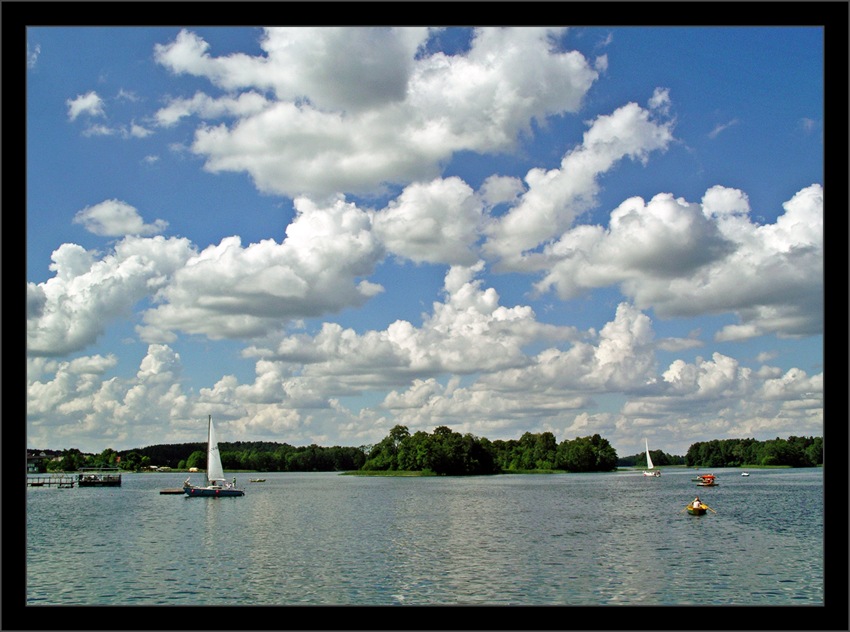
649,465
214,470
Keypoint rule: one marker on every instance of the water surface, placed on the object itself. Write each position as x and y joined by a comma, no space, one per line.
326,539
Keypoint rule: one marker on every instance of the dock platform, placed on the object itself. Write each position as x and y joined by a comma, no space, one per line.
51,480
99,477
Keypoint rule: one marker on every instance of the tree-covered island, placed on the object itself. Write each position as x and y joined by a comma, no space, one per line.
444,452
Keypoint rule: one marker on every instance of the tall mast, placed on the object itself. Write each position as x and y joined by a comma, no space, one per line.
209,445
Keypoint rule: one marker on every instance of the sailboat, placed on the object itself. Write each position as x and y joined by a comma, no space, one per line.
217,485
649,466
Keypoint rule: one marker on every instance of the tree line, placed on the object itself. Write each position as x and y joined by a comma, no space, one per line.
793,452
445,451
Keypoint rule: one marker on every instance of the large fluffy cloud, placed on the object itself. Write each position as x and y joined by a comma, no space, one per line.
69,311
356,109
555,197
71,401
683,259
227,291
436,222
469,332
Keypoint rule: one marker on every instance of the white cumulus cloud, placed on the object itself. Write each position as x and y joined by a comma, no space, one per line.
89,103
116,218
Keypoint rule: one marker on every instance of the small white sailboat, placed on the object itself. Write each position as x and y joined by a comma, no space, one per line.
217,485
649,471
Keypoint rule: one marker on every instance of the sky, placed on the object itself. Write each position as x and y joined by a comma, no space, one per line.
314,234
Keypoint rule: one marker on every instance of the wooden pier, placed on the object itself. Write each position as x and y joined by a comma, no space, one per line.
51,480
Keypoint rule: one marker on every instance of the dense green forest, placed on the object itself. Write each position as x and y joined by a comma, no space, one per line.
793,452
445,451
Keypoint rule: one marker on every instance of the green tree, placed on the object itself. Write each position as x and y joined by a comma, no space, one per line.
576,456
131,461
384,456
586,454
198,459
72,460
814,452
606,455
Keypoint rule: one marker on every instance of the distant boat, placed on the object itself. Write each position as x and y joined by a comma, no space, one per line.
707,480
217,485
256,480
745,473
649,466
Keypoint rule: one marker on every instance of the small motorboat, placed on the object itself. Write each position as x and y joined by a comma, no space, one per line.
256,480
745,473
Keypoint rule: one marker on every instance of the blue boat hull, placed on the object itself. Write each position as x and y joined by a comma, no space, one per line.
214,492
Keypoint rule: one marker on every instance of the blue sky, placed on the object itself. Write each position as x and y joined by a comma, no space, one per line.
314,235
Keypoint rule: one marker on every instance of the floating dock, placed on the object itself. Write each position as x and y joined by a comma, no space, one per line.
172,491
99,477
51,480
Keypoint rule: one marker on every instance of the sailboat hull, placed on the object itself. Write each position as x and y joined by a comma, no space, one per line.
696,511
215,492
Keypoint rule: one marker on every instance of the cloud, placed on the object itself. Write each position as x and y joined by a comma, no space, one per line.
115,218
32,55
722,127
435,222
100,130
71,310
683,259
809,125
464,367
660,101
348,118
67,401
718,397
206,107
138,131
645,244
335,68
468,333
555,197
90,104
227,291
622,359
319,112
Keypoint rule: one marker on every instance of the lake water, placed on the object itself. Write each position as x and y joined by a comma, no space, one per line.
326,539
